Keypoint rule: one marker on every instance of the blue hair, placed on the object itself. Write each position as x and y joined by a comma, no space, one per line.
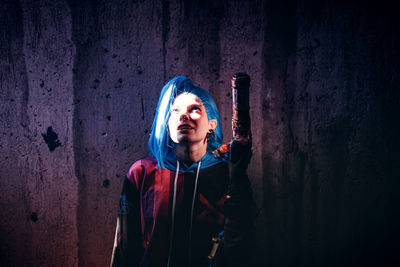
160,144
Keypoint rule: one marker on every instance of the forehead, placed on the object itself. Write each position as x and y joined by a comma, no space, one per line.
186,99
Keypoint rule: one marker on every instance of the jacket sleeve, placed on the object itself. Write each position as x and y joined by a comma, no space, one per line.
239,208
128,249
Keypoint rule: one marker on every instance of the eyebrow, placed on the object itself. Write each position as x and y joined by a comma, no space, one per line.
192,105
195,105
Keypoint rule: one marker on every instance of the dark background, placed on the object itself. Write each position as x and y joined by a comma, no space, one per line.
79,85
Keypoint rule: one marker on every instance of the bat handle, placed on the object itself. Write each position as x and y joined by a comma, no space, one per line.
240,105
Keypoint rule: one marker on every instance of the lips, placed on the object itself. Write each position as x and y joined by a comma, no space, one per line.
183,127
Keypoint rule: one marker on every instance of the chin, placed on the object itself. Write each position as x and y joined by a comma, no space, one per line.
183,140
186,140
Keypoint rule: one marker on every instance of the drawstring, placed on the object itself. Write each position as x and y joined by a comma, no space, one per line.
191,214
173,213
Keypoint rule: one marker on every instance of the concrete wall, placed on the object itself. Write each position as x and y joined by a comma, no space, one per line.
79,86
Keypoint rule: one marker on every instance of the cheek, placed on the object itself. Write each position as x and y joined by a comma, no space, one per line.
195,116
173,134
204,126
172,128
173,120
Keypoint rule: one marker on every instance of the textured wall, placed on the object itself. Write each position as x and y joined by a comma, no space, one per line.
80,82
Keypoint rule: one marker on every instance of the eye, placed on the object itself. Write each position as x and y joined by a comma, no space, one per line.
175,110
196,108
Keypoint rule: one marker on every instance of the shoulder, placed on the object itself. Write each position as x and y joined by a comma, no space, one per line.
140,168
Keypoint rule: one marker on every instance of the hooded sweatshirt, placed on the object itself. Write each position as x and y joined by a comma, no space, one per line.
169,217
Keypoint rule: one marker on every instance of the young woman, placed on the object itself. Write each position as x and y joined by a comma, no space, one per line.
176,200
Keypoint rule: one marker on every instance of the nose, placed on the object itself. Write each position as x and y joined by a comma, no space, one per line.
183,117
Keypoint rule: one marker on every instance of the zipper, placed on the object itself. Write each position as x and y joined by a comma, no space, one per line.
191,214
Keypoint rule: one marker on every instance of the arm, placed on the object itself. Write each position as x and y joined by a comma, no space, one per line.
239,207
128,249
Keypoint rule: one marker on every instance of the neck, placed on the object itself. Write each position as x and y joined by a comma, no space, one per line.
190,153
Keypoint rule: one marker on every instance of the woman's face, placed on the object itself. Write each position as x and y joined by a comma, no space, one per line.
188,122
